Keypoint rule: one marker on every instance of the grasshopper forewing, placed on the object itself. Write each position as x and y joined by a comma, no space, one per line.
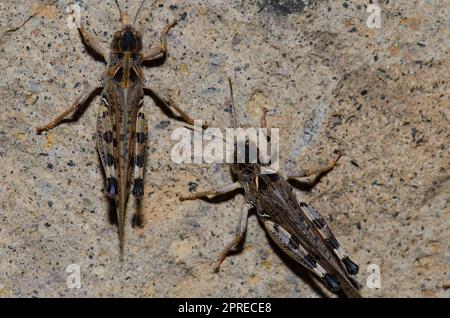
121,123
295,226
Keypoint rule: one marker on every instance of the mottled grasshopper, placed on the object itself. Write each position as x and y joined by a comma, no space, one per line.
296,227
121,124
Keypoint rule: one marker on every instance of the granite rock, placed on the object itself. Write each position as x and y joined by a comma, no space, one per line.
331,83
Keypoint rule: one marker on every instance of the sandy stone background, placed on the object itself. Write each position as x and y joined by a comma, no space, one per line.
380,96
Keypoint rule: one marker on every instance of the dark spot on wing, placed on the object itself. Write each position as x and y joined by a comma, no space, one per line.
111,187
109,159
351,267
108,137
141,137
276,227
332,283
138,189
140,160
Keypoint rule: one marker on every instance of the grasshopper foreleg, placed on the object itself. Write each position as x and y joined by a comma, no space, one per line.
93,43
161,49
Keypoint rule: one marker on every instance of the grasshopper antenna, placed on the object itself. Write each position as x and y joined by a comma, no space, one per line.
124,17
233,114
137,13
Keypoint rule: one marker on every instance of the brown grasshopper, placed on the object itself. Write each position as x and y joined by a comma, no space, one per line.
121,123
296,227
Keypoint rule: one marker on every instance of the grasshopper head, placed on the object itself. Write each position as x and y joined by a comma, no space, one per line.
127,40
245,157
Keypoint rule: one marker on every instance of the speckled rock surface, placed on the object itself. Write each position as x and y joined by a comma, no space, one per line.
381,96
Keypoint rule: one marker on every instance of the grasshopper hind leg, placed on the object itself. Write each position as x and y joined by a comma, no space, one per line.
327,235
294,249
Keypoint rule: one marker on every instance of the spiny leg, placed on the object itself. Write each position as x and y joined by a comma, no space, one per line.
170,103
327,235
293,248
211,193
93,43
240,233
161,49
140,148
80,101
105,146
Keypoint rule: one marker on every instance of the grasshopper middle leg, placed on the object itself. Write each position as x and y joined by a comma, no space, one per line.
170,103
80,101
240,233
212,193
315,171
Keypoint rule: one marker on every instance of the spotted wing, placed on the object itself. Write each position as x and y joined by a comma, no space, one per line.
105,147
277,203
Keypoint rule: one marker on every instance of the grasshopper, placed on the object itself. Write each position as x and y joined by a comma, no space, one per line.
121,124
295,226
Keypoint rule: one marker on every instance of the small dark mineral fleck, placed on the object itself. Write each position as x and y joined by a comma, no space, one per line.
192,186
163,124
